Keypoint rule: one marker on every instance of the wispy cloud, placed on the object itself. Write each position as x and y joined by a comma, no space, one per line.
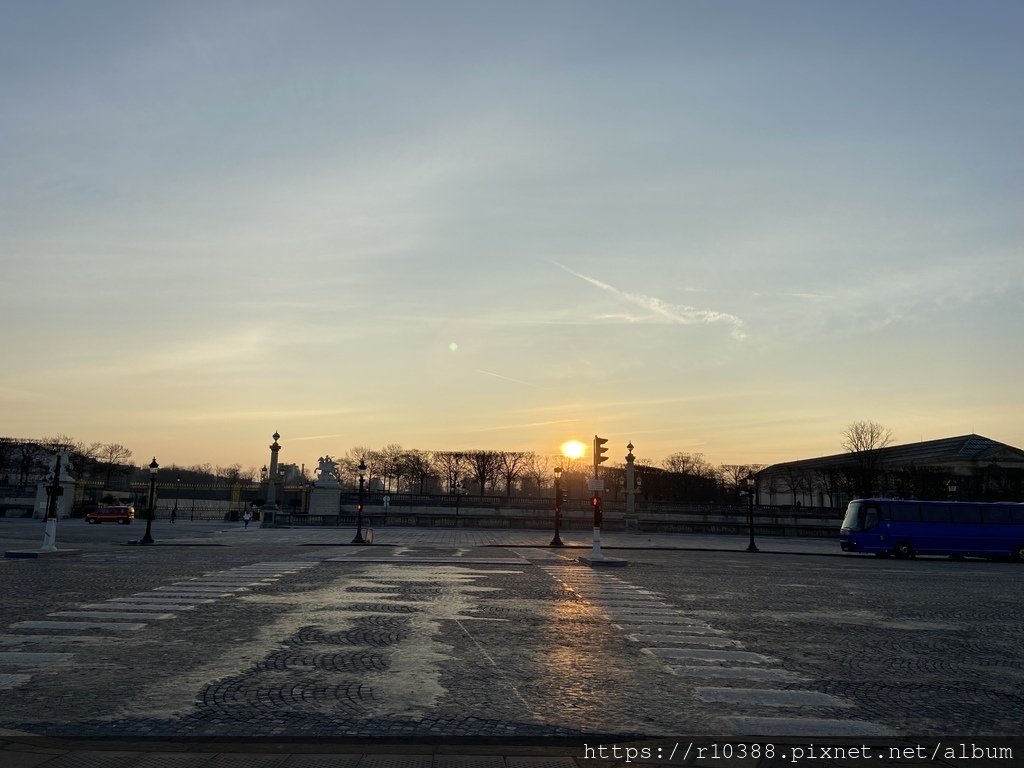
517,381
663,311
523,426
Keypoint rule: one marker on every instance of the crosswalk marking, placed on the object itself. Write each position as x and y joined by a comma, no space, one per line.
664,632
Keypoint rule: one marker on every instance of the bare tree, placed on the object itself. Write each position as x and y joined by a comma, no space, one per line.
511,464
797,482
830,481
539,469
866,436
734,477
113,458
451,465
689,464
420,467
484,466
864,440
8,448
392,465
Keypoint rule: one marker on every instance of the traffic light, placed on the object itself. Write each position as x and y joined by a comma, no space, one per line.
599,452
564,494
595,501
359,507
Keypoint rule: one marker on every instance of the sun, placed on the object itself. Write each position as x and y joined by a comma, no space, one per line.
573,449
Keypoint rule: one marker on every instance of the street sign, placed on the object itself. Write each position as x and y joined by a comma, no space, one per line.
595,485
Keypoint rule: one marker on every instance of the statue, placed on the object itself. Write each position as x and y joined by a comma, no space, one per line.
327,475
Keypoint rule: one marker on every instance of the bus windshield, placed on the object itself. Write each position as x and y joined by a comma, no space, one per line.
852,521
861,516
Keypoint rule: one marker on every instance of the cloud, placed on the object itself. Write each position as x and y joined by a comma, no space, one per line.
659,310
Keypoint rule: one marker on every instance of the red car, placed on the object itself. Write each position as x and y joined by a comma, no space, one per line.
122,515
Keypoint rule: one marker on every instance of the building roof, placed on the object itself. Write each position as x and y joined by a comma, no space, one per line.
965,449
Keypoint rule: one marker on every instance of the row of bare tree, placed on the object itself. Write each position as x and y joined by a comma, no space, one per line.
24,461
681,476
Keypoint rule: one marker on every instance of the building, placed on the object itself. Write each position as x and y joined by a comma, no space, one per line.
968,467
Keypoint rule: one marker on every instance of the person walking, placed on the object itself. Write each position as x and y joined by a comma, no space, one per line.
174,515
246,518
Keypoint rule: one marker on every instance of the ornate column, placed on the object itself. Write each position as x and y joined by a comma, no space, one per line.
630,483
270,507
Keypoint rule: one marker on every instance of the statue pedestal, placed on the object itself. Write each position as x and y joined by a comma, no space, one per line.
324,501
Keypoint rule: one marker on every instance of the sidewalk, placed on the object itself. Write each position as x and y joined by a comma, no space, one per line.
573,540
21,532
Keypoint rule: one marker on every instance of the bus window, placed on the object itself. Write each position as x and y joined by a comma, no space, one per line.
995,515
966,514
905,513
1018,515
867,517
935,513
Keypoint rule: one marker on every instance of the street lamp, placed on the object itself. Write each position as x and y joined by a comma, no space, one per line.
153,467
557,542
751,482
951,488
458,496
177,488
359,505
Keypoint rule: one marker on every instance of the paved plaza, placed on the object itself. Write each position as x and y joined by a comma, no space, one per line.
492,647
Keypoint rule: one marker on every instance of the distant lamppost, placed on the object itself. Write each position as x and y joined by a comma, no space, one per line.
951,488
458,496
302,495
177,489
751,482
148,538
557,541
359,505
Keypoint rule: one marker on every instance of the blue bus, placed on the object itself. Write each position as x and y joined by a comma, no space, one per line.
904,529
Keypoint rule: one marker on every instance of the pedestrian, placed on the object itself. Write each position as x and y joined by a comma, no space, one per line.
246,518
174,516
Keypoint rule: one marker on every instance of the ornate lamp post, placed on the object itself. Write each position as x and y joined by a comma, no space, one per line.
951,489
148,538
557,541
359,505
458,496
751,482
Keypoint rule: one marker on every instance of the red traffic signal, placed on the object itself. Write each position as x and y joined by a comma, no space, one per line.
595,501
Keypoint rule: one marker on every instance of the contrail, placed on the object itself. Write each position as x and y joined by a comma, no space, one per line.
517,381
676,313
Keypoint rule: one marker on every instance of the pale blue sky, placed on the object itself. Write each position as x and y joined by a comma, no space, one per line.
704,226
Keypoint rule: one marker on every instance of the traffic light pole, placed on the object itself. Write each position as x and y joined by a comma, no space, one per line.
599,458
557,541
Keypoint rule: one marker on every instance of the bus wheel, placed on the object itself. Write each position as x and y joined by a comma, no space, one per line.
1018,554
903,551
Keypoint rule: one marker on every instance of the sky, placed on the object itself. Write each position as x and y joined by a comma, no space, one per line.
730,228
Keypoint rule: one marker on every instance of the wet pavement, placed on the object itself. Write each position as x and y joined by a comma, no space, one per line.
293,647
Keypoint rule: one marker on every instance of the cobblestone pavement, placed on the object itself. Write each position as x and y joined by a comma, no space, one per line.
455,637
